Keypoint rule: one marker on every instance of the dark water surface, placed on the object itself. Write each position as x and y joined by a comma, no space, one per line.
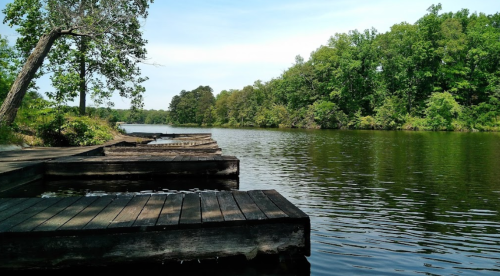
380,202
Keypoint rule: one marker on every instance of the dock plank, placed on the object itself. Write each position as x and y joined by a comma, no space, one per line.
285,205
266,205
27,213
129,214
177,158
229,208
68,213
106,216
171,212
43,216
5,214
6,203
191,212
85,216
151,211
210,209
248,206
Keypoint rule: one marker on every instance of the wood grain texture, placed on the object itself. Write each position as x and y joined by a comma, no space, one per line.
85,216
229,208
26,214
285,205
68,213
151,211
171,212
17,208
44,215
210,209
191,211
248,206
266,205
6,203
129,214
104,218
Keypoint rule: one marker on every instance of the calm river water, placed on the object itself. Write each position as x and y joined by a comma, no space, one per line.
380,202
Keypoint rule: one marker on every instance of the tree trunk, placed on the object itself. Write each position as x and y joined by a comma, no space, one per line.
83,85
9,108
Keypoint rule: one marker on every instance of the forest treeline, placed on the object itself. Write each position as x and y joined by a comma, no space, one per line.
440,73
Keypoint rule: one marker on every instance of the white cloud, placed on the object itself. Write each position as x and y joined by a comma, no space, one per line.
278,51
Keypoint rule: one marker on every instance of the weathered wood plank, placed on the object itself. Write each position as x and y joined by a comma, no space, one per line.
130,213
191,212
248,206
81,219
148,166
229,208
100,250
210,209
5,214
106,216
218,158
286,206
43,216
151,211
171,212
6,203
266,205
62,217
293,212
26,214
177,158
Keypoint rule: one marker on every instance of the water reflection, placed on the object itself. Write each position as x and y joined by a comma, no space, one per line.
384,203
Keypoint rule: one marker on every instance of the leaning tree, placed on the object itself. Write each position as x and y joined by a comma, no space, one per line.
101,34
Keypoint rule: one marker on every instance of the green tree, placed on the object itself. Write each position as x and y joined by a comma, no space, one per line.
192,106
42,22
7,56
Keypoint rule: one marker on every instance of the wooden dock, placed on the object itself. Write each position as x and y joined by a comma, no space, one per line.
126,224
154,228
192,155
151,166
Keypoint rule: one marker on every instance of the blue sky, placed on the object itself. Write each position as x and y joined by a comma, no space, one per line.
230,44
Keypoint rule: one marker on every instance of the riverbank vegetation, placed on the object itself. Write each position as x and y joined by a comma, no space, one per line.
440,73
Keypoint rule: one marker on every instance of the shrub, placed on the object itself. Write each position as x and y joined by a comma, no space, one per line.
84,131
391,114
441,110
367,122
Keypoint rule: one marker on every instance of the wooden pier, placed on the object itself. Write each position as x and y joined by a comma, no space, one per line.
121,226
155,228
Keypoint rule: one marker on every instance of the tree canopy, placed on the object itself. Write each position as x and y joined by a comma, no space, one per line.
100,37
441,72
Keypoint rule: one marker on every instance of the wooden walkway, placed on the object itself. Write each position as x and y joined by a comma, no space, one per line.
69,231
